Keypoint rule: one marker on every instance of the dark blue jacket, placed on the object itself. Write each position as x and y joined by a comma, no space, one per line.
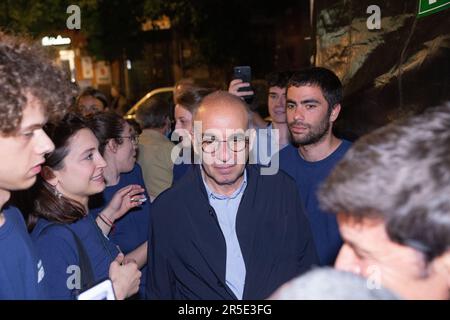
187,250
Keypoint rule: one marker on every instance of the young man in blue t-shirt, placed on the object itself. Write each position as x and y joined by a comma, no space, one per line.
312,106
30,91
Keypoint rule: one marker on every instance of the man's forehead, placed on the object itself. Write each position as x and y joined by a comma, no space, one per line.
222,119
354,228
223,132
277,89
305,89
362,220
90,100
33,113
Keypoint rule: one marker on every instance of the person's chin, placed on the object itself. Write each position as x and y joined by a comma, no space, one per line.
225,171
225,178
280,118
299,138
97,187
24,184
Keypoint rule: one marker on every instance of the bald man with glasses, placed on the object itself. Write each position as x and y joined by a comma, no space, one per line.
225,231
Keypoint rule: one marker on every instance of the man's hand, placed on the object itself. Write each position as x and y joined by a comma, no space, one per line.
125,277
236,84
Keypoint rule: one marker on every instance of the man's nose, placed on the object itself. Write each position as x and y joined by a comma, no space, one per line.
299,114
44,144
281,103
224,152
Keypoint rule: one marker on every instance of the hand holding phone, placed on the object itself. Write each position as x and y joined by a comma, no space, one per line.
240,86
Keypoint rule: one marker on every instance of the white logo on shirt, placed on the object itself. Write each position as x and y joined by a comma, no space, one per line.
41,272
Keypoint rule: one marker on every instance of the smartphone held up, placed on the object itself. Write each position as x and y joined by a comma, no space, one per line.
244,73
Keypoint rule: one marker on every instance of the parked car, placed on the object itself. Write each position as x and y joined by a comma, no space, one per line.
165,93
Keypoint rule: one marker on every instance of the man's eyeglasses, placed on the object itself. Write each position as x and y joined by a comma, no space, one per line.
236,143
134,138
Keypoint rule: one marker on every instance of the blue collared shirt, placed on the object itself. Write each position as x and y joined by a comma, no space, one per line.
226,208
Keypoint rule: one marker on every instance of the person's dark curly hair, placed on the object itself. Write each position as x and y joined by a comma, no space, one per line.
26,69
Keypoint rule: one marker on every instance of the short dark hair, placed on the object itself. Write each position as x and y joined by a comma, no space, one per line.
324,78
26,68
400,173
278,79
106,126
135,125
153,113
191,97
92,92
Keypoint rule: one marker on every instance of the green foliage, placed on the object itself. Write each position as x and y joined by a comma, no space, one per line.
37,17
221,29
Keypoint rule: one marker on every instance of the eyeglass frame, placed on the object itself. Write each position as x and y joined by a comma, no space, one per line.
246,142
134,139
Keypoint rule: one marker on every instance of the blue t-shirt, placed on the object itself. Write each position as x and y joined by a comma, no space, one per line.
309,176
57,248
131,230
21,272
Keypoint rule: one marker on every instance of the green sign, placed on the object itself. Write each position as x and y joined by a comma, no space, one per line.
427,7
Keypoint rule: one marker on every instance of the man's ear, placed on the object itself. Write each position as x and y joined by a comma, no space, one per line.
49,176
112,145
335,112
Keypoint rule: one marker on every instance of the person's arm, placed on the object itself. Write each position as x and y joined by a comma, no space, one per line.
120,204
138,255
125,277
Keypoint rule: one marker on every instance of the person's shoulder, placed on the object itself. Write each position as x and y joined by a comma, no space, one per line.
14,215
287,155
288,150
178,193
346,144
137,169
341,150
178,190
133,176
51,233
280,178
138,175
54,242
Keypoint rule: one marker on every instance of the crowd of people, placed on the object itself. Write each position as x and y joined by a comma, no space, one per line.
237,208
